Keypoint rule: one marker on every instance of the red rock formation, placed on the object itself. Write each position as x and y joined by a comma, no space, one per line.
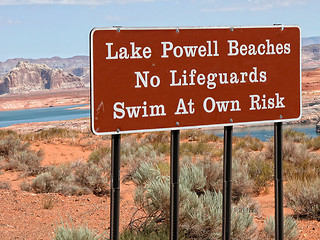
27,77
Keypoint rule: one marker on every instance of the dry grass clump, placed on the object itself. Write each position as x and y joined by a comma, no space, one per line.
72,179
261,171
248,143
314,143
194,148
295,136
5,133
16,155
198,135
150,232
51,133
304,197
98,154
4,185
160,142
298,162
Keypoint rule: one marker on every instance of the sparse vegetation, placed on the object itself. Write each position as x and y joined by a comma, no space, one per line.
76,179
146,164
290,228
261,172
4,185
304,197
248,143
151,232
198,135
298,162
100,153
295,136
51,133
16,155
314,143
48,203
66,232
200,208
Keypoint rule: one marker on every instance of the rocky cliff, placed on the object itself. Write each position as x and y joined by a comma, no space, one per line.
54,62
27,77
310,56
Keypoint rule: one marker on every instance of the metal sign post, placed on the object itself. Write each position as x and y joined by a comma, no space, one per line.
227,179
115,187
174,185
278,181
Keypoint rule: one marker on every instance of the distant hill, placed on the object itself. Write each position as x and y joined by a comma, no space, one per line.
310,40
77,65
310,56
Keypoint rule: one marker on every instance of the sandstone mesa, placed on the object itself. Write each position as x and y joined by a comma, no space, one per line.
26,77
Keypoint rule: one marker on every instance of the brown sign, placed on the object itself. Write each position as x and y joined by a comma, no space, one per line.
168,78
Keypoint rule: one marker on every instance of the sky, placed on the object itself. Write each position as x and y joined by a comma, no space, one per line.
48,28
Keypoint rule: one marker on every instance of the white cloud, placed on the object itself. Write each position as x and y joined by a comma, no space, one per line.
251,5
259,5
68,2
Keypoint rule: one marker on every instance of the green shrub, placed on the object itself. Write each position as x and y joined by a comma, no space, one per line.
97,155
200,209
290,229
135,153
145,172
247,143
304,197
261,171
154,232
212,172
66,232
295,136
194,148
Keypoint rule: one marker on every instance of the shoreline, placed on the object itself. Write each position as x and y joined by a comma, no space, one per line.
43,99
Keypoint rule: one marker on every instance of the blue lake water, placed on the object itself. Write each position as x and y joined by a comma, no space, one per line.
8,118
266,132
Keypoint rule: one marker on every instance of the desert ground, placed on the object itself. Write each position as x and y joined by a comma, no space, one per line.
28,215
